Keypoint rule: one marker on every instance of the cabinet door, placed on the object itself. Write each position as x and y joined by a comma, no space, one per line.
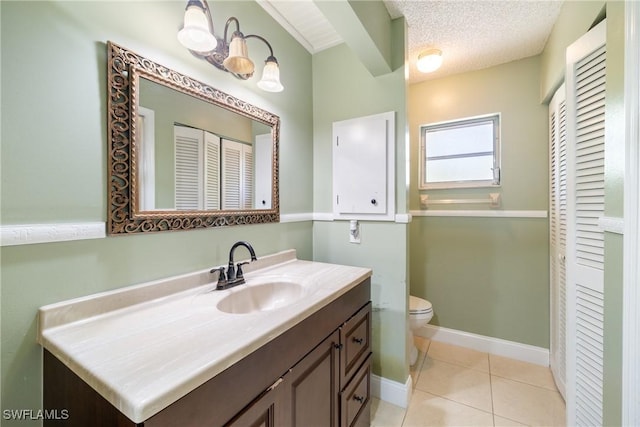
268,410
314,386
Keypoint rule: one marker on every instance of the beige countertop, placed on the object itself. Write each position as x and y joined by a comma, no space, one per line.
144,347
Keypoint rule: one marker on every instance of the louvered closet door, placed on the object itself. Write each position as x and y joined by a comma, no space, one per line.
188,167
237,175
586,74
558,235
211,171
231,178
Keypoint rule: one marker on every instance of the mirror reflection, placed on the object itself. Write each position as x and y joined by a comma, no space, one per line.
184,155
194,155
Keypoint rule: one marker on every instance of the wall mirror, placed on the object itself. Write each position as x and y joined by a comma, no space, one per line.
184,155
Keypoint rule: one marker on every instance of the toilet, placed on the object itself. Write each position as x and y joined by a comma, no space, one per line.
420,313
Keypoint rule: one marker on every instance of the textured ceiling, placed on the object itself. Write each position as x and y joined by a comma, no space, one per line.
472,34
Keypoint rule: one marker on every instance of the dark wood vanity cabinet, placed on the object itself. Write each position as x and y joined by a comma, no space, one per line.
355,369
317,373
329,387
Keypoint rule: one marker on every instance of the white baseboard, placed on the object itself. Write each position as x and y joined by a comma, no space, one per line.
496,346
391,391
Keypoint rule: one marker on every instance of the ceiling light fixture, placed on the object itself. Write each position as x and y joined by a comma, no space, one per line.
429,60
232,56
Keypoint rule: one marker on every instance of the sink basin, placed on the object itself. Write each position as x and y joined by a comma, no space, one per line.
261,297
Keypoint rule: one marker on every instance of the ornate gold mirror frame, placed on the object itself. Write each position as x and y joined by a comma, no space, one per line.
124,68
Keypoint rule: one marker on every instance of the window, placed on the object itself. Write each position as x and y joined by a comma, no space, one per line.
460,153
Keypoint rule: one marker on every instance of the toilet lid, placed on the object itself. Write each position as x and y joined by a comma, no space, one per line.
419,305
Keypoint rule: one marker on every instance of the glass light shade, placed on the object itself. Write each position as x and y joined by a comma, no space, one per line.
238,61
271,76
429,60
195,34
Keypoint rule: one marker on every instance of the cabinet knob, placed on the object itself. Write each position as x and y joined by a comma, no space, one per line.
264,202
359,399
374,202
358,340
338,346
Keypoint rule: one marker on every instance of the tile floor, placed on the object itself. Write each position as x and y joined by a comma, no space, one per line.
456,386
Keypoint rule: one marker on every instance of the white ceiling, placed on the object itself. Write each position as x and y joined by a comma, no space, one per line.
304,21
472,34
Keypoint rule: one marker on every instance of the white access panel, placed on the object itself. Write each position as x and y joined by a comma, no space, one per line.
363,168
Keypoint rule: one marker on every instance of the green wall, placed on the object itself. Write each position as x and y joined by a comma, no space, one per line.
614,207
344,92
575,19
488,276
54,159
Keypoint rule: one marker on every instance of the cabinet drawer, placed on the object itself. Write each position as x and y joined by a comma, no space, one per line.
355,398
355,337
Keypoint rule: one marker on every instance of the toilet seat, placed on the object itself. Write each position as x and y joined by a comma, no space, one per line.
419,305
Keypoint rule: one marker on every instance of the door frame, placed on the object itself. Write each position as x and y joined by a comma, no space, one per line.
631,245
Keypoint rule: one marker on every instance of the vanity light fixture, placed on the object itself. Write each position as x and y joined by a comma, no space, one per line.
429,60
232,56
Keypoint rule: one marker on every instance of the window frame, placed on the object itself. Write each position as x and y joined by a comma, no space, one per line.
497,138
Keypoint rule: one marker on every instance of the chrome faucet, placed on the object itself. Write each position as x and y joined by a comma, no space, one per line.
234,275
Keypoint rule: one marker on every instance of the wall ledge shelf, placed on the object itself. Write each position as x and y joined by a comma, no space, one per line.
26,234
481,213
611,224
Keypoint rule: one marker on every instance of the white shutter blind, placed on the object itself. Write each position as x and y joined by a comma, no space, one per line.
586,73
553,169
231,178
590,91
247,174
590,103
188,170
562,246
589,353
562,176
211,171
557,234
